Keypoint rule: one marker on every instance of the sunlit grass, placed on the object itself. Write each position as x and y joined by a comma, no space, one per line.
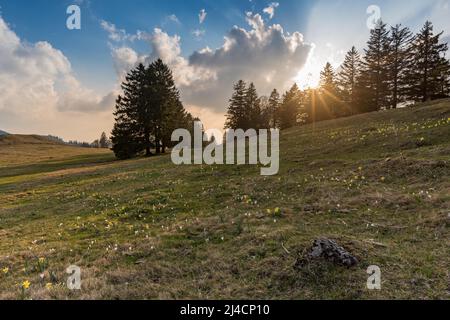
145,228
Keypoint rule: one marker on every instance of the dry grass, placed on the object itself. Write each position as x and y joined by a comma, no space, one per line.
377,183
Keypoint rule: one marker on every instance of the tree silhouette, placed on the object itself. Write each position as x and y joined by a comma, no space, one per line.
400,62
374,79
347,79
290,107
430,73
147,112
236,115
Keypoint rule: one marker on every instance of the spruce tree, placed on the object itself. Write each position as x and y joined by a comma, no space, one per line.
444,78
147,112
329,103
399,63
289,110
273,109
103,142
428,75
236,115
166,109
375,73
126,135
347,79
252,109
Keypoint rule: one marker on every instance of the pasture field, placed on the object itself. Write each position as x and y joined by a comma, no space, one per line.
378,184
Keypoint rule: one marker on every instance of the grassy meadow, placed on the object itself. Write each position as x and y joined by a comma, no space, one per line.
378,184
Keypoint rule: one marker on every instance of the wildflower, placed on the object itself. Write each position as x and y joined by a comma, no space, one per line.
382,178
269,211
41,260
49,286
277,210
5,270
26,284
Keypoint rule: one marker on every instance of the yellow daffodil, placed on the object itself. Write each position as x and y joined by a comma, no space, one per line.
277,210
26,284
5,270
49,286
41,260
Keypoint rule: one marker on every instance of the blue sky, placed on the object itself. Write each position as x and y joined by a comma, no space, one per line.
88,48
80,70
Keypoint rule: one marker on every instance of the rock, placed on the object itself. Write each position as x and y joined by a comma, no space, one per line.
329,250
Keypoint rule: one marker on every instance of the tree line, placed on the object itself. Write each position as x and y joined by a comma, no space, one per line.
147,112
397,68
102,143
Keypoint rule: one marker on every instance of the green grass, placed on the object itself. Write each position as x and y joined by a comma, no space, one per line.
147,229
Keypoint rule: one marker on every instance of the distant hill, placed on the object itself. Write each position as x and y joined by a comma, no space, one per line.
3,133
15,139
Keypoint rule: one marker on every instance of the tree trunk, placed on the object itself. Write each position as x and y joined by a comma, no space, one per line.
148,152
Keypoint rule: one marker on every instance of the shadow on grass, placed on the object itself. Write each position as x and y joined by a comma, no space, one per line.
52,166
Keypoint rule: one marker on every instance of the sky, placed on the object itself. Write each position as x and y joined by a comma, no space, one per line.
64,82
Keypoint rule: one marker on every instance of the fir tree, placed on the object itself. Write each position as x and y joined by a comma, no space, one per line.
430,71
126,136
290,108
399,63
147,112
347,79
329,104
273,109
252,109
236,115
374,79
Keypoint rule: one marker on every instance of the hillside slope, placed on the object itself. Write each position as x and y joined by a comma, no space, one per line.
376,183
26,152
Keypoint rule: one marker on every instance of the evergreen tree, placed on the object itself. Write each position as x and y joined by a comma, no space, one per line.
374,79
236,115
329,106
125,136
328,80
252,109
147,112
347,80
430,71
399,63
103,142
166,108
273,109
290,108
444,77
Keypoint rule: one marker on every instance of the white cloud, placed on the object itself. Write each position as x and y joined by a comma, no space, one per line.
120,35
270,10
173,18
115,34
124,59
265,55
37,83
202,16
198,33
166,47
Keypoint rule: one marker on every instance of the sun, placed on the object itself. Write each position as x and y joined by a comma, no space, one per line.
308,77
